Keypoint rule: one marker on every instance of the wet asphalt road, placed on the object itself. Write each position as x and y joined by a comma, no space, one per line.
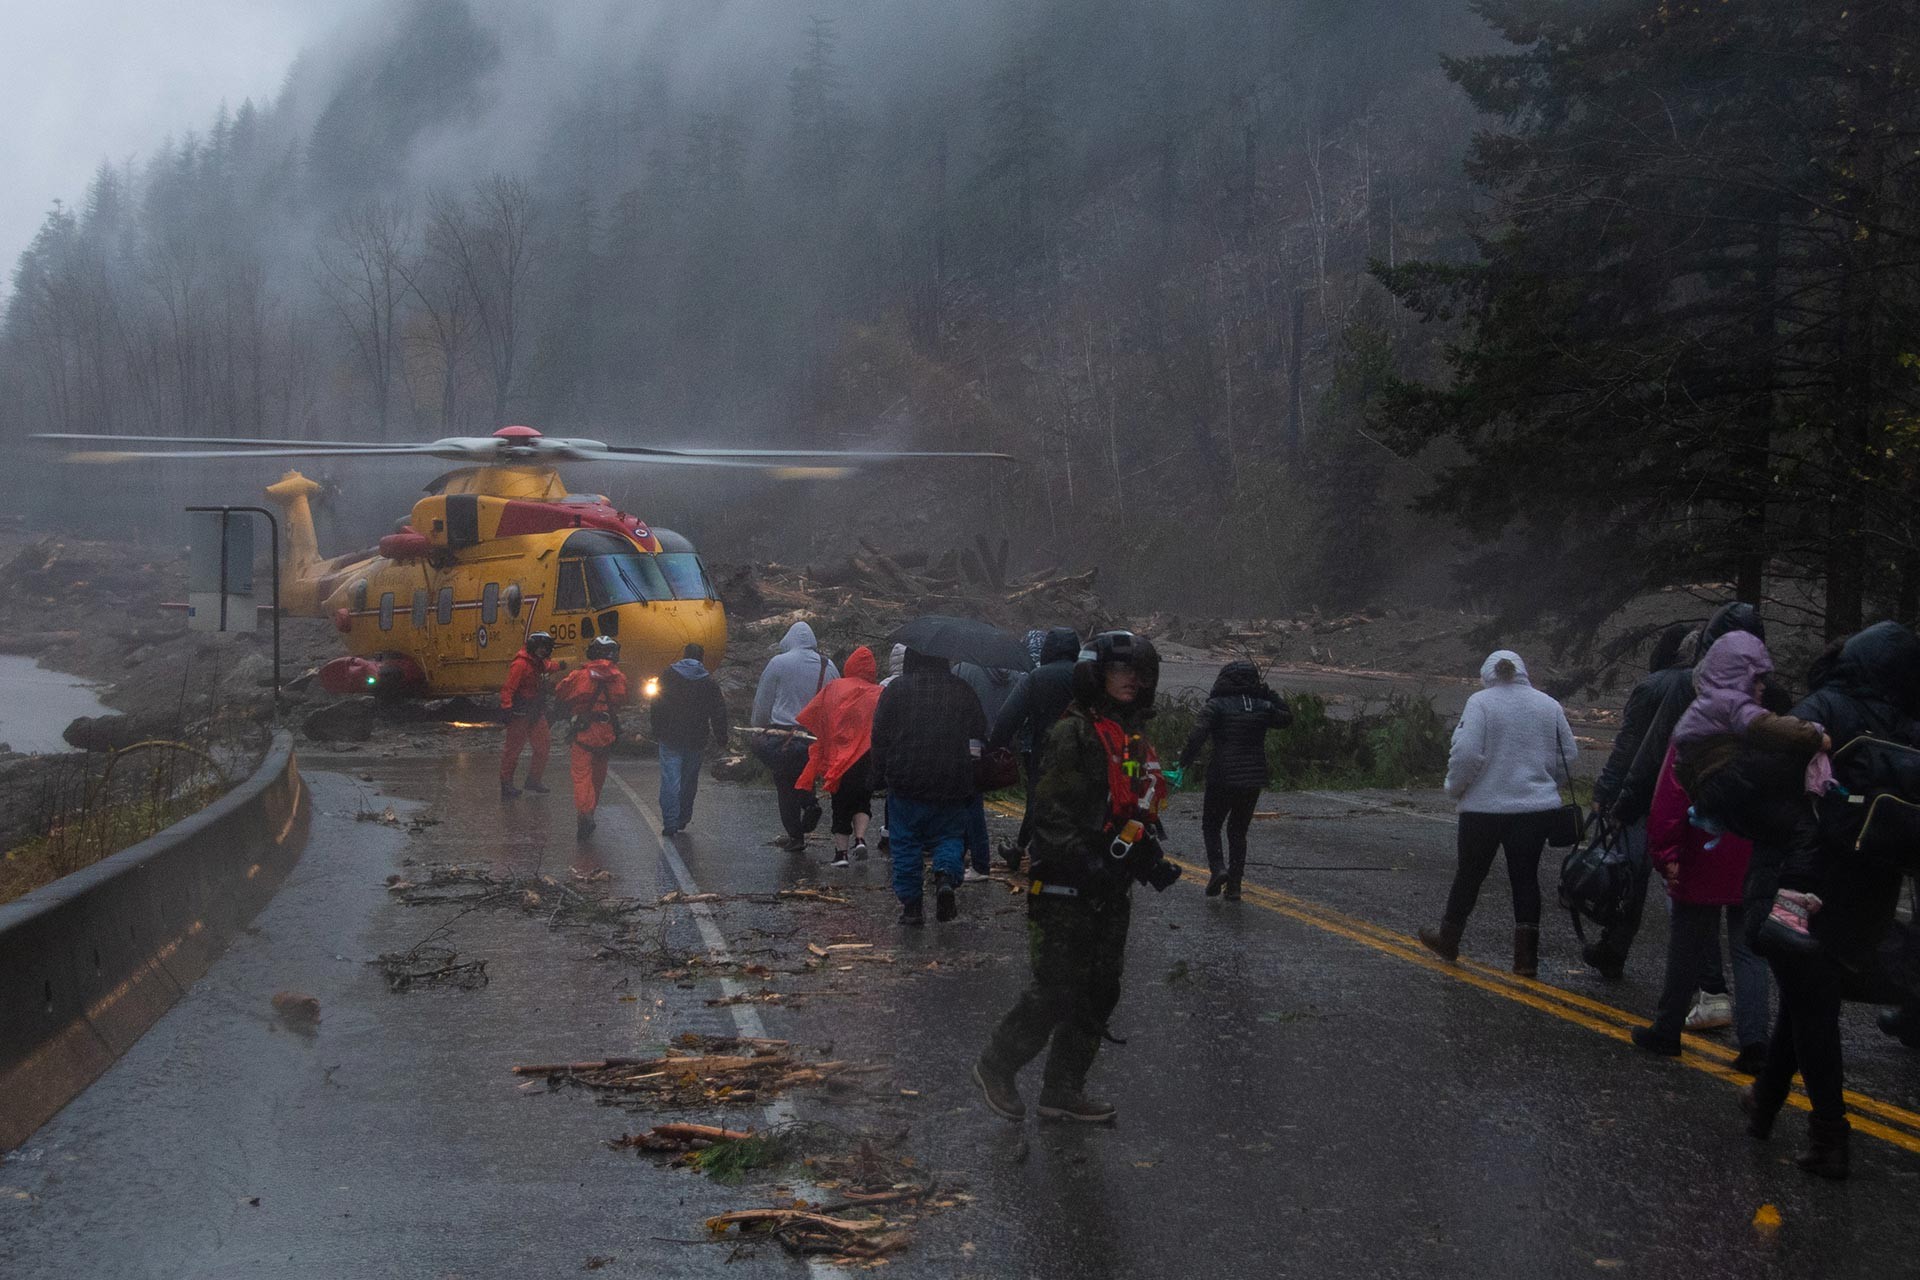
1301,1094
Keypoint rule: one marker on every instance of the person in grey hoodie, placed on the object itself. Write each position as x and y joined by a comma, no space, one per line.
1509,751
797,672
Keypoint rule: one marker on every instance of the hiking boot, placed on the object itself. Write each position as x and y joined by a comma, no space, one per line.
859,850
536,786
584,827
1526,950
1071,1104
1215,883
1444,941
1001,1092
1903,1024
1760,1116
507,790
945,905
1751,1060
1232,892
1826,1153
912,913
1611,967
1711,1011
1653,1042
792,844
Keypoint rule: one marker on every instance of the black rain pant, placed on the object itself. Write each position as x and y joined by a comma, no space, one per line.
1232,808
1482,835
1078,948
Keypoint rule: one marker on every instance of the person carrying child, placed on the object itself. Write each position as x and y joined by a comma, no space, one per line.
1755,773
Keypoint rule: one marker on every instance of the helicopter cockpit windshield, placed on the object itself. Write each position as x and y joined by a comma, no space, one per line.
601,570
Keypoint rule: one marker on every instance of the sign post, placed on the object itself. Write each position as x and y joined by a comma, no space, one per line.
220,575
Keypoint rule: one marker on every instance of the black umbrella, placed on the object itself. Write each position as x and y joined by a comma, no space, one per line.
963,640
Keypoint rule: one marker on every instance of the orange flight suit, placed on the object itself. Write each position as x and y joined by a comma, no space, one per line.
524,698
592,695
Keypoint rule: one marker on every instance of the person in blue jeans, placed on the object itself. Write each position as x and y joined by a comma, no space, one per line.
688,707
926,731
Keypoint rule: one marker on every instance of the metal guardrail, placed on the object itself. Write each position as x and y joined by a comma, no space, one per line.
91,961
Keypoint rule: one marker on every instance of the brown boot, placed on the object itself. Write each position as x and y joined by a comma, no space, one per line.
1826,1152
1526,949
1445,941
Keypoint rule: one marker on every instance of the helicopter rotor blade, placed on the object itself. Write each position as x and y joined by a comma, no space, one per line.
841,455
133,455
218,442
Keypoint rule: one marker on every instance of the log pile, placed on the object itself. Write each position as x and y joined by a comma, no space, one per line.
874,590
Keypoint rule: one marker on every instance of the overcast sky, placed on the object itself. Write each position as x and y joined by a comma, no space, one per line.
106,79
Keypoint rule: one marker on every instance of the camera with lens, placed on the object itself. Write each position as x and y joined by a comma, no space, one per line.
1147,862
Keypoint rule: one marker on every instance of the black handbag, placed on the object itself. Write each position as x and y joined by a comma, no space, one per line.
1598,878
1568,825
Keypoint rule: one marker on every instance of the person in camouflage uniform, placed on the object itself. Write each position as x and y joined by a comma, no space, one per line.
1079,901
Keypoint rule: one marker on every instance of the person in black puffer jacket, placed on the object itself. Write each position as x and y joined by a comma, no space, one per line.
1872,689
927,731
1037,700
1238,714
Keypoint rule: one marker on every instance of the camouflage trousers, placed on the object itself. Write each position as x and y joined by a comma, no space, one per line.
1077,947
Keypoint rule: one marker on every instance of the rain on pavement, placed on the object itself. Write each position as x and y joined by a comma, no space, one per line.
1302,1092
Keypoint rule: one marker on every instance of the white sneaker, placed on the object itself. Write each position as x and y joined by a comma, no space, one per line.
1710,1012
973,875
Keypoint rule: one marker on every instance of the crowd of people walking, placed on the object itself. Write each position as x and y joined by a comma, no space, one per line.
1745,803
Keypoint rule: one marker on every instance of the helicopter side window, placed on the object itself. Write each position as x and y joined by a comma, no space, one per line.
687,576
360,596
490,604
572,594
419,618
513,600
386,611
625,579
444,614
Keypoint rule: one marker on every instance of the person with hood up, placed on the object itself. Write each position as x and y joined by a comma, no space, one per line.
1624,789
797,673
524,698
1703,877
840,718
593,696
1036,702
1099,781
1237,716
688,707
925,731
1753,772
1872,690
1509,750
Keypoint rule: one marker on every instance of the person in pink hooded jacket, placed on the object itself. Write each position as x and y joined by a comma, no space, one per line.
1704,878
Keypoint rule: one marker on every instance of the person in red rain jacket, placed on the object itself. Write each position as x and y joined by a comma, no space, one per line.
840,718
524,698
593,696
1705,877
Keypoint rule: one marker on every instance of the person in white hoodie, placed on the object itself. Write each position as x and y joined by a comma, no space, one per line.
797,672
1509,751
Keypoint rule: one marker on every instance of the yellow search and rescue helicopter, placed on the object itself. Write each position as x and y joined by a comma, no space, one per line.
497,550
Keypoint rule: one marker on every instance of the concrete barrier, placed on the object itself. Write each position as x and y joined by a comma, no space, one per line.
89,962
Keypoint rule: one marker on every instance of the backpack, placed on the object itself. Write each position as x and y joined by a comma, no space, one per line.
1599,878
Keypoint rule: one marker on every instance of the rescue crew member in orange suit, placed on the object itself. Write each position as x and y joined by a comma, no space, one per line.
593,695
524,698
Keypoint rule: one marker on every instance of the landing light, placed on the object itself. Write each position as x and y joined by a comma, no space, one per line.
651,688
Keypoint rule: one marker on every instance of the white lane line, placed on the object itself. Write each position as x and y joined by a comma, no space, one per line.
746,1018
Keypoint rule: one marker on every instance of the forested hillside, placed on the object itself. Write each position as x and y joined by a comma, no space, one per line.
1213,271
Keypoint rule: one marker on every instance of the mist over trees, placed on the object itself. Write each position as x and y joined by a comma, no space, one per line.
1159,251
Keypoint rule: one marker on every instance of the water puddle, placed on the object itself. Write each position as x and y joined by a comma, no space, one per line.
37,704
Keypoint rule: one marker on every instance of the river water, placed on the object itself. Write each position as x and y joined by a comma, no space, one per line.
37,704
